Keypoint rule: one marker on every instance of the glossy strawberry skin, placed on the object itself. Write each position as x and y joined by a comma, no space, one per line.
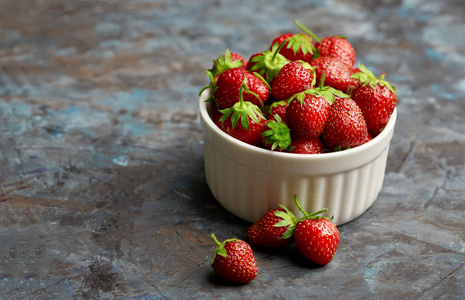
278,108
308,119
289,52
337,47
229,83
239,265
376,104
251,136
264,233
307,146
346,126
293,78
317,240
337,73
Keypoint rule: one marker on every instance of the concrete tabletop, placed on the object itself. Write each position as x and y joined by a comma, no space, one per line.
102,184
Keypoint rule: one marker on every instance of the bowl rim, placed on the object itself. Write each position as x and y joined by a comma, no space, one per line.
205,115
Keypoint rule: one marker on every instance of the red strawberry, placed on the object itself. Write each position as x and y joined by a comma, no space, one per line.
293,78
296,46
333,46
307,146
226,89
276,135
274,229
346,127
376,98
337,74
307,114
278,108
308,111
227,61
316,237
234,261
267,63
337,47
250,116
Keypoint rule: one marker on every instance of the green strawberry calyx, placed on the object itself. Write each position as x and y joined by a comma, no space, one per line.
223,63
288,219
314,216
367,77
326,92
212,86
220,250
300,41
269,62
243,109
279,134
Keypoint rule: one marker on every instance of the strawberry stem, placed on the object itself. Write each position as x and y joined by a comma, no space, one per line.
277,50
215,240
307,31
306,215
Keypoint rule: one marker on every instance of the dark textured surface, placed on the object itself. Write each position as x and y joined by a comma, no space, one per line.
103,193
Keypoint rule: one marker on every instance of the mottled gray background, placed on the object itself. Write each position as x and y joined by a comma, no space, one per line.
102,186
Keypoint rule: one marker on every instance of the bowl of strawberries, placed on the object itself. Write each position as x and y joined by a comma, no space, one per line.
296,119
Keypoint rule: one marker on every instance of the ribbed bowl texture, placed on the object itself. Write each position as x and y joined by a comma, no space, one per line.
248,181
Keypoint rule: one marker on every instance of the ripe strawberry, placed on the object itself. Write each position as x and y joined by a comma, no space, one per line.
308,111
337,47
276,135
307,146
274,229
337,74
346,127
227,61
250,116
296,46
226,89
316,237
277,108
293,78
234,261
376,98
267,63
333,46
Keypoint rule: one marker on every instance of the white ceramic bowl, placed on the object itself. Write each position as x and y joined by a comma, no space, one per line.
248,181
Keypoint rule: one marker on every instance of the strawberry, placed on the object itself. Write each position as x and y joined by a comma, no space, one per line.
227,61
293,78
376,98
316,237
276,135
333,46
250,116
346,127
308,111
267,63
234,261
226,89
277,108
273,229
296,46
307,145
337,74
